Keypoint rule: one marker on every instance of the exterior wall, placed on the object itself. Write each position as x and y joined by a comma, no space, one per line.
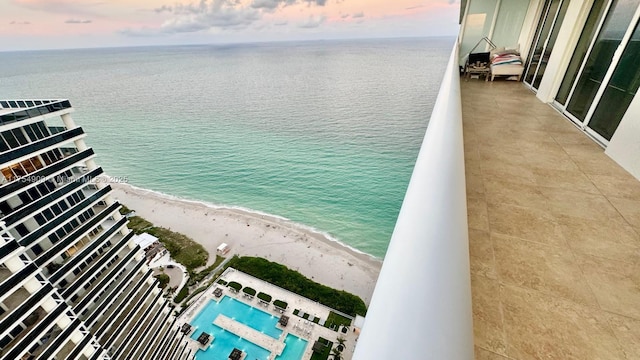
624,146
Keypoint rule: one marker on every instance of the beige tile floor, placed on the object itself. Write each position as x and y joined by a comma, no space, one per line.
554,232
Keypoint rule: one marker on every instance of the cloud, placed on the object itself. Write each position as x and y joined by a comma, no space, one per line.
344,16
20,23
142,32
163,8
358,15
205,15
271,4
77,21
67,7
414,7
283,23
312,22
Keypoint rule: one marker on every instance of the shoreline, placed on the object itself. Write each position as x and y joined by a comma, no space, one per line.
309,251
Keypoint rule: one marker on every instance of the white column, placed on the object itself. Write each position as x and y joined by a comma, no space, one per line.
68,121
624,146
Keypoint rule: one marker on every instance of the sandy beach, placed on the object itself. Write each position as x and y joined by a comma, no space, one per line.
250,234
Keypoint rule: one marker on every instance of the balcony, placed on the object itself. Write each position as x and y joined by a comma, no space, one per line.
554,228
553,246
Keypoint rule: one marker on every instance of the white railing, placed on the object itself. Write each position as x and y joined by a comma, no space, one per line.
421,306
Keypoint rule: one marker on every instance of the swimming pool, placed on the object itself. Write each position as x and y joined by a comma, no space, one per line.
225,341
294,348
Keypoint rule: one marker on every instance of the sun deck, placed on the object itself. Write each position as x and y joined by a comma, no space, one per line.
264,341
297,326
554,228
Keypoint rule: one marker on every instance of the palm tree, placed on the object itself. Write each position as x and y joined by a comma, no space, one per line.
337,354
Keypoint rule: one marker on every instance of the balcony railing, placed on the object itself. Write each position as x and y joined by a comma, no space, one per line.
421,306
26,109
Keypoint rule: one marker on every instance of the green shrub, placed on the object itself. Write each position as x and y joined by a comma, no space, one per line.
296,312
281,304
295,282
305,316
250,291
324,355
337,320
196,292
182,248
222,282
183,293
235,285
163,280
264,297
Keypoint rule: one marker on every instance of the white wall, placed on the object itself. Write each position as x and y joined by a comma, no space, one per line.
624,146
529,27
421,306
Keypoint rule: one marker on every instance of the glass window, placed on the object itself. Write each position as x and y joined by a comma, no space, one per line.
30,133
599,60
47,214
477,25
10,139
620,90
20,136
37,249
43,128
535,55
40,219
550,43
509,23
3,145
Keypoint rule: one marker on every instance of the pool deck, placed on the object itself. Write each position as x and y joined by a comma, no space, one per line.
297,326
275,346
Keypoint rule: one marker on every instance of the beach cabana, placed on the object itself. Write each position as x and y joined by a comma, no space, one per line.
318,347
284,320
144,240
204,338
236,354
217,292
185,329
223,249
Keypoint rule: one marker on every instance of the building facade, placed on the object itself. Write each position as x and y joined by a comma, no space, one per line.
73,284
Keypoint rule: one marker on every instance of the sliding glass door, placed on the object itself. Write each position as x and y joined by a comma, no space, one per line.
587,37
619,92
548,29
605,66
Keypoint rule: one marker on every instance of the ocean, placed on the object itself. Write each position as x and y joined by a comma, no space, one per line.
323,133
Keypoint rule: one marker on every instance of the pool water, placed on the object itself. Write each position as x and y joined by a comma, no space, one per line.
294,348
224,341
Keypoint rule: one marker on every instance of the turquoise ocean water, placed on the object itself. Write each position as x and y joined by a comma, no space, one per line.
322,133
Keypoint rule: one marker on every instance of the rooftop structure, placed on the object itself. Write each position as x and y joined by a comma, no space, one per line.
73,283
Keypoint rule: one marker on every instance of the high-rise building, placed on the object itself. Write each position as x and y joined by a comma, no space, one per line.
73,284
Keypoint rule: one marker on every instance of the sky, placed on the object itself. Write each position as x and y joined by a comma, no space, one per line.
61,24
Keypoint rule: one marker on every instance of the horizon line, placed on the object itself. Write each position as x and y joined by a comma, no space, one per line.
232,43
